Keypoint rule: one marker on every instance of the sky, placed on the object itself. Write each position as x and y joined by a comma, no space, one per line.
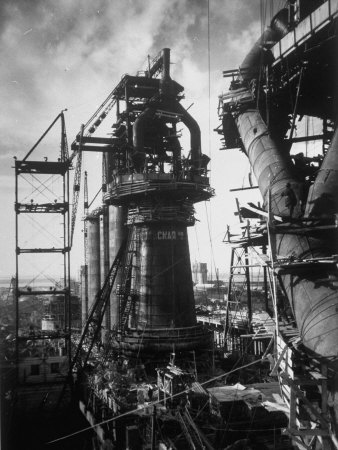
69,54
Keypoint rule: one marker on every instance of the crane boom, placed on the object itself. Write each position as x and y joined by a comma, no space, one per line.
93,325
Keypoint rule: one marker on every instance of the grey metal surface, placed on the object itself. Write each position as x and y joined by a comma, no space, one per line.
117,233
93,229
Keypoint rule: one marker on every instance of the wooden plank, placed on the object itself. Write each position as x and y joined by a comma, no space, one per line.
292,420
280,357
286,391
261,212
288,371
295,391
324,390
317,375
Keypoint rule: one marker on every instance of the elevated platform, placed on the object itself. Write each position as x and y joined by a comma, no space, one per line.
196,187
42,167
305,30
58,208
304,384
163,340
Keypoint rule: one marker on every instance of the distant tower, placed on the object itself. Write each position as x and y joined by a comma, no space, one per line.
200,273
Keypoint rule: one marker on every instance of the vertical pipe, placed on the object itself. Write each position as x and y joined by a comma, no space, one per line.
84,293
166,63
204,272
116,234
104,256
117,108
102,267
265,275
93,258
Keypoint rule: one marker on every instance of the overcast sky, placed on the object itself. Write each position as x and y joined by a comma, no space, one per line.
71,54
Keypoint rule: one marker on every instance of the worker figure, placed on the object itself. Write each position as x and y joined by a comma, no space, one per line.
290,198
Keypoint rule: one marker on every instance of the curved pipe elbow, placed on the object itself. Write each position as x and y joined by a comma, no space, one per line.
195,135
260,54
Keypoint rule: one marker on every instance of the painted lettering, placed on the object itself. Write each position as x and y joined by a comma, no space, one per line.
169,235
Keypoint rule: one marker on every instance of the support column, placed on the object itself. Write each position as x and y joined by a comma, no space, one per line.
117,233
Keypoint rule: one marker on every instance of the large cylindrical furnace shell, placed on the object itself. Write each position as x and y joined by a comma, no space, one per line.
162,277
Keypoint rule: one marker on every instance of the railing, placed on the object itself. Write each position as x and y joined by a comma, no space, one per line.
140,183
305,29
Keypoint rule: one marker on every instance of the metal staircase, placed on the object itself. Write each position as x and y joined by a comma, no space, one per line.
128,296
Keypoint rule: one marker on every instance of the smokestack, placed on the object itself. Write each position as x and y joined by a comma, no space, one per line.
84,292
117,234
93,230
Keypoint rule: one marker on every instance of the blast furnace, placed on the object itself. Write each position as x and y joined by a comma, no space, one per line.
150,186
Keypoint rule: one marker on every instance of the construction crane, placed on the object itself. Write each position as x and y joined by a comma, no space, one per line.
89,128
76,185
85,214
92,328
154,68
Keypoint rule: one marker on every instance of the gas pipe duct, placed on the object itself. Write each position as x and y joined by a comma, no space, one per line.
168,102
312,293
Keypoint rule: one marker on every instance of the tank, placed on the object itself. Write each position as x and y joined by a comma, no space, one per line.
117,219
93,232
84,293
104,256
200,273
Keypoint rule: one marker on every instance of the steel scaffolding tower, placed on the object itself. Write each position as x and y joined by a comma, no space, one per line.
48,182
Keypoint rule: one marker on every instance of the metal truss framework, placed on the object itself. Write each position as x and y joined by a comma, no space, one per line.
45,175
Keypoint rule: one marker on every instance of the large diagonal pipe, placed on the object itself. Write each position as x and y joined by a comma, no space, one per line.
311,293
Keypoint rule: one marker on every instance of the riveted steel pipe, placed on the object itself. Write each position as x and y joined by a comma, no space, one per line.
312,293
117,234
93,230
